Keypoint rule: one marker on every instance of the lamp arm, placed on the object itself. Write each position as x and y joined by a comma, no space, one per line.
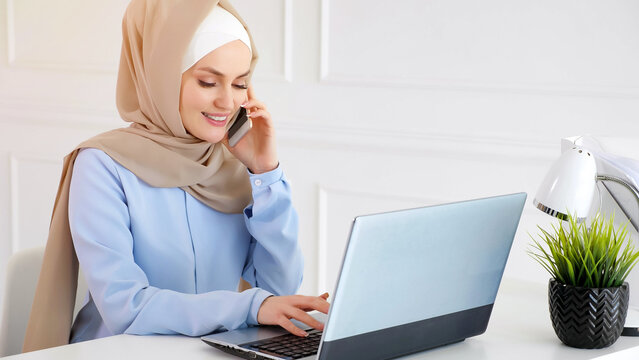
627,185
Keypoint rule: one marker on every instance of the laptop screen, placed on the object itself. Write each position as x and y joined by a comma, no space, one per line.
410,265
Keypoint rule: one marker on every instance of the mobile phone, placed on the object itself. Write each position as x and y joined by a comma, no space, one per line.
240,127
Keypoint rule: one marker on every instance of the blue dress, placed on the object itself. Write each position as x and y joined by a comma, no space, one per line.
158,261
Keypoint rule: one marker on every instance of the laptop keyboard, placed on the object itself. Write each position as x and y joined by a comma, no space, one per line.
289,345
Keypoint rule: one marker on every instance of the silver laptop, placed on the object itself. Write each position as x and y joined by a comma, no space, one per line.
411,280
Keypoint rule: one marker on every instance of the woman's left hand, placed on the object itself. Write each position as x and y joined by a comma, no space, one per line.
256,149
278,310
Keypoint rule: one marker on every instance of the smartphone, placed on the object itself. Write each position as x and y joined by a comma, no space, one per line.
240,127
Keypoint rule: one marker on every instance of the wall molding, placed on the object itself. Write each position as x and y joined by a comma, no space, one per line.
506,146
286,75
288,40
483,87
513,146
324,41
11,46
13,61
13,200
322,239
328,77
24,112
287,37
14,189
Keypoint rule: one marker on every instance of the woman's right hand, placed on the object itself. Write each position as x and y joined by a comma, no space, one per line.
278,310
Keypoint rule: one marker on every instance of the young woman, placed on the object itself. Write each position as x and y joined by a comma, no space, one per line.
164,216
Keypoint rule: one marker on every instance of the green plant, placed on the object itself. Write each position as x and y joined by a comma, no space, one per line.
595,256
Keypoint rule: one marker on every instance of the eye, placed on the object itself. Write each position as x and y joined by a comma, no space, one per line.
205,84
240,86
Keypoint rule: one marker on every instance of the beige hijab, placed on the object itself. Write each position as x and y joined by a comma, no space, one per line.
155,147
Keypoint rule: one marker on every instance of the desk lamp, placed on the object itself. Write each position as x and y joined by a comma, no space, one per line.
570,186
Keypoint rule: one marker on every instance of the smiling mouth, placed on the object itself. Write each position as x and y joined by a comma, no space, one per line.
215,118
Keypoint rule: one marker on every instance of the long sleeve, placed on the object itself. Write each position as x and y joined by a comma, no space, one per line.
275,260
99,217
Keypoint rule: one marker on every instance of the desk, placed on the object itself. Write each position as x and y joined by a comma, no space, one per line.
519,329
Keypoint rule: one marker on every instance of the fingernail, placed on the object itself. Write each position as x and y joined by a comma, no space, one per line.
244,104
304,334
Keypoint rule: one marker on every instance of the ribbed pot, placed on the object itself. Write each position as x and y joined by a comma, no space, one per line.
587,318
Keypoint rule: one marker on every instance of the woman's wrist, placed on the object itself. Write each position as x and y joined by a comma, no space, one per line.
264,169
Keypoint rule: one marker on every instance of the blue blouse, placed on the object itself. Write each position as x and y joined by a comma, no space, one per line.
158,261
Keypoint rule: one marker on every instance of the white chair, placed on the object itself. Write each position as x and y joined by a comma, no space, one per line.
22,274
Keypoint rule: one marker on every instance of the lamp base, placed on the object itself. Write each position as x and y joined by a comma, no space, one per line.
631,327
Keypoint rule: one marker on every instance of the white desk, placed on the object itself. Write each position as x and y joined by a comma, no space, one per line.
519,329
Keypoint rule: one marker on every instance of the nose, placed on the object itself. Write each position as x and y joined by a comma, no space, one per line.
224,99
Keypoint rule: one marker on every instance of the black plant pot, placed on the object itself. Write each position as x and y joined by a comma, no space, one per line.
587,318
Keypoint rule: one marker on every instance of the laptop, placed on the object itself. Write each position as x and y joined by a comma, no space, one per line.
410,280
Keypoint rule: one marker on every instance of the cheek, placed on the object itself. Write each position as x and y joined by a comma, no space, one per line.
192,99
189,106
240,97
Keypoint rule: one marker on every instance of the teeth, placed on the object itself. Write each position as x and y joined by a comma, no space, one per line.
216,118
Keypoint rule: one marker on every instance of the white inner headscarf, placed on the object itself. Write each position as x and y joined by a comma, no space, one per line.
218,28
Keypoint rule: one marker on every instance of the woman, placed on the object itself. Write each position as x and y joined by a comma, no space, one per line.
164,215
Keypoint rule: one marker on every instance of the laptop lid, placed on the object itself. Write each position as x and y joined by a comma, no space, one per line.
420,278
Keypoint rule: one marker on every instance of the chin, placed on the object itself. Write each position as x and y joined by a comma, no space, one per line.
213,138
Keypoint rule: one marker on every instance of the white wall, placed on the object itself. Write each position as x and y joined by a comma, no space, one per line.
378,105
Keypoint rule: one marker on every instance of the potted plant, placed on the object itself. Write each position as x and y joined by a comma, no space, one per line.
587,294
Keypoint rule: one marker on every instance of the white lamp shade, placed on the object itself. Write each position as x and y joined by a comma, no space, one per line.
569,186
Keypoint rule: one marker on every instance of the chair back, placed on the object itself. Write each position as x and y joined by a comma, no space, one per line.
23,270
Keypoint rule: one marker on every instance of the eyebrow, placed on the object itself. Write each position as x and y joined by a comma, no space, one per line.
218,73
